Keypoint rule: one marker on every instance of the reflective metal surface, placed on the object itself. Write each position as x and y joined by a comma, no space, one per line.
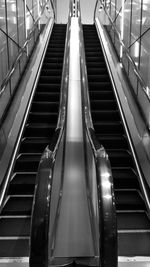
127,24
73,234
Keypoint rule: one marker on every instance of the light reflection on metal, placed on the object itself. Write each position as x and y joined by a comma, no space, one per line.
125,50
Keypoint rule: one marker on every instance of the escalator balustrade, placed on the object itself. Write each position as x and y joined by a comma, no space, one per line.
40,126
132,219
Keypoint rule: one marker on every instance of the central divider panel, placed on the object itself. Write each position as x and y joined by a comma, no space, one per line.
73,236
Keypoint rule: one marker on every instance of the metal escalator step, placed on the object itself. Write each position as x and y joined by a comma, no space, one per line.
43,117
45,106
97,71
104,105
134,244
55,44
94,59
33,145
105,115
94,53
50,79
97,78
100,86
14,248
22,183
96,65
51,72
100,94
39,130
125,178
137,220
120,158
53,60
52,66
47,96
92,47
50,54
108,127
18,205
129,200
15,226
113,141
27,162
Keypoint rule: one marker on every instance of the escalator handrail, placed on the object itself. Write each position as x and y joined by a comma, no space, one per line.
135,69
39,243
105,189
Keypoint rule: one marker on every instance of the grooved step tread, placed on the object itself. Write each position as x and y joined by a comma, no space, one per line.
15,226
18,205
14,248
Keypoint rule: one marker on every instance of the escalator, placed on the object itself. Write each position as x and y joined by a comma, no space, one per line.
132,218
40,126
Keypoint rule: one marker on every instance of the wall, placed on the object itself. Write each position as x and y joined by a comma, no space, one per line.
62,9
87,11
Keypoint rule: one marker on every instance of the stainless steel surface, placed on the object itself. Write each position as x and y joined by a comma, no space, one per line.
73,234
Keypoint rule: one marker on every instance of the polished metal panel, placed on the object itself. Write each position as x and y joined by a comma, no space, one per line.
73,233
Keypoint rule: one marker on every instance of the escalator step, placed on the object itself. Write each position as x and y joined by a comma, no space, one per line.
125,178
51,72
104,105
15,226
45,107
14,248
108,127
39,130
101,95
105,115
18,205
22,183
34,145
103,85
120,158
50,79
43,117
113,141
129,200
47,96
27,162
133,221
134,244
96,71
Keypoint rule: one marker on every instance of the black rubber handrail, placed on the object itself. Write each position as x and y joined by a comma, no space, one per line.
39,242
108,248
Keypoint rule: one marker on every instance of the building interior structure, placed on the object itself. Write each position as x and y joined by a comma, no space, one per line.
74,133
